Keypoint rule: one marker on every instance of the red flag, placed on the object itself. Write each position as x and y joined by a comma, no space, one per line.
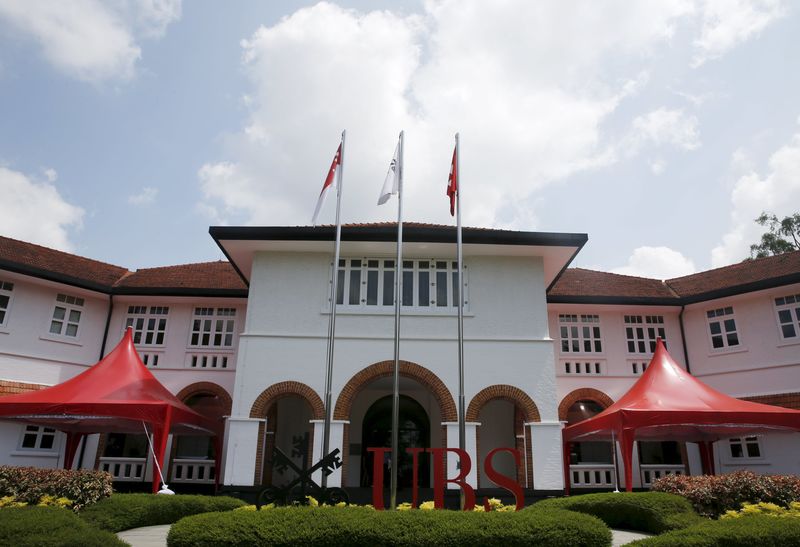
452,183
330,182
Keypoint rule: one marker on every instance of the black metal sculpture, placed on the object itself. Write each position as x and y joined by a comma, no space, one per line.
296,491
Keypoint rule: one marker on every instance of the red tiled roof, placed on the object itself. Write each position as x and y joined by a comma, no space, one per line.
578,282
30,258
742,275
203,275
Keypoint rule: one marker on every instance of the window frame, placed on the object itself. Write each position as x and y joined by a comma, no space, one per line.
580,323
70,304
380,267
721,319
215,317
791,303
645,323
40,433
6,290
148,314
745,441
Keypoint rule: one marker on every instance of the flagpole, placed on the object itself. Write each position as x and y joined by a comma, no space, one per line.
462,429
326,439
397,300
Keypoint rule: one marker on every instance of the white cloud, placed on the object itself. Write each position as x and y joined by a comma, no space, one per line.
777,191
657,263
657,166
91,40
147,195
34,211
728,23
667,126
530,86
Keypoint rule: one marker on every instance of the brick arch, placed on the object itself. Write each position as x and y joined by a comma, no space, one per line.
360,380
507,393
209,388
280,390
582,394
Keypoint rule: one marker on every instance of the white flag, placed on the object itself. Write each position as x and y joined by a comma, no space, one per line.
392,182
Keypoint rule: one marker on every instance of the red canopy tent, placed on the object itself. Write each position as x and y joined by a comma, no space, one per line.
118,394
668,403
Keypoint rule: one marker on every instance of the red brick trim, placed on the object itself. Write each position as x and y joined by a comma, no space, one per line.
357,383
207,388
287,389
509,393
582,394
786,400
8,387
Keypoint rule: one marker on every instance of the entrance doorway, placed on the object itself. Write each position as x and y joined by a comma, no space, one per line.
414,432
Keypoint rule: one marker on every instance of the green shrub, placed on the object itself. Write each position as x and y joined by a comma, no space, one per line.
29,484
651,512
712,495
760,530
126,511
353,526
50,527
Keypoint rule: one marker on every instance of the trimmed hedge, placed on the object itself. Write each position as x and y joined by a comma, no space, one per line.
651,512
50,527
126,511
760,530
355,526
712,495
29,484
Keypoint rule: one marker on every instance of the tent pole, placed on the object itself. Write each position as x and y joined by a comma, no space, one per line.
614,459
626,446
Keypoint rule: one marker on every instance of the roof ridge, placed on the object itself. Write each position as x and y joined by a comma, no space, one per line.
745,262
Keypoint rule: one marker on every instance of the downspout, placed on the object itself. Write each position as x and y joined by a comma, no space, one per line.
108,323
683,340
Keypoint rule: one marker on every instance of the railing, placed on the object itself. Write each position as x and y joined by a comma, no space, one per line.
193,471
651,472
588,475
124,469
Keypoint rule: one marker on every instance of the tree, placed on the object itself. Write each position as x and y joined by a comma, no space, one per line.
783,235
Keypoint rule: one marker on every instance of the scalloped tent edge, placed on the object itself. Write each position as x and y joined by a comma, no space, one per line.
116,395
668,403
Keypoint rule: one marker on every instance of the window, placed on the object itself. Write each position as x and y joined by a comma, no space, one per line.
745,447
369,282
5,300
577,367
642,331
722,327
66,316
35,437
638,368
788,308
149,324
580,333
213,327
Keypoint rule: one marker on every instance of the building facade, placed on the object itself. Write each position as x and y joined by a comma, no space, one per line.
245,341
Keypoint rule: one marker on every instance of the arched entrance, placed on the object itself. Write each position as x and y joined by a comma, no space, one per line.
375,382
503,410
288,408
414,432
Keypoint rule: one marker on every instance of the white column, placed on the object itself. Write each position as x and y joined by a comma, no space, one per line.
240,453
470,445
336,441
548,463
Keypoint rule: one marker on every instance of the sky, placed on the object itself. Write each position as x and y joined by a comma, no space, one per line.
661,129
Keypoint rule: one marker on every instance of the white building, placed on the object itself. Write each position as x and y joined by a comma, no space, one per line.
543,345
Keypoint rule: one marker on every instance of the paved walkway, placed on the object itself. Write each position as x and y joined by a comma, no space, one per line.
156,536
